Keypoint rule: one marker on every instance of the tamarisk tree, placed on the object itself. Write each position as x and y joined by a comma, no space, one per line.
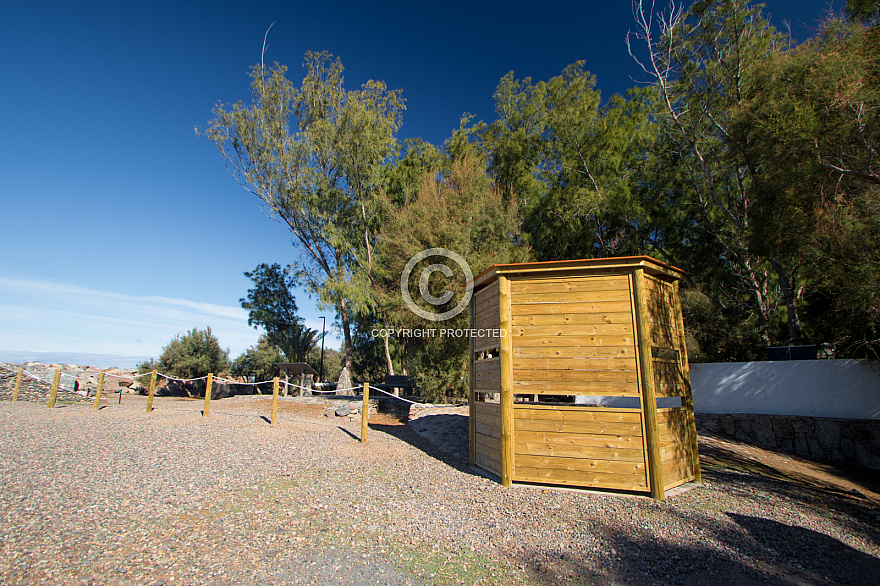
314,156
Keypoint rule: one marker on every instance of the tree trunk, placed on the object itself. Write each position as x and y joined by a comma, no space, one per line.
388,361
346,332
788,296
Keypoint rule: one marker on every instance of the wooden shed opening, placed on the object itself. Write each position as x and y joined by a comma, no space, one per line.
579,376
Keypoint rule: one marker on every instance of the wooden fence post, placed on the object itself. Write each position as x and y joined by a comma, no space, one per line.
151,392
99,391
208,393
17,384
274,400
54,392
648,395
365,412
505,360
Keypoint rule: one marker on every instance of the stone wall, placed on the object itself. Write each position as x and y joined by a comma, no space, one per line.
853,442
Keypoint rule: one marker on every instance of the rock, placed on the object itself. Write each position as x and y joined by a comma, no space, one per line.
344,383
342,411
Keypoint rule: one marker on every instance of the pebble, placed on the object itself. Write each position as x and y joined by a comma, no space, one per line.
173,498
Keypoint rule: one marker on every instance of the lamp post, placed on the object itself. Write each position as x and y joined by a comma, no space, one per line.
323,333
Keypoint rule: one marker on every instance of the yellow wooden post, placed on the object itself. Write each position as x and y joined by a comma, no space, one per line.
274,400
506,364
365,412
17,384
151,392
648,393
54,392
210,383
688,398
472,407
99,391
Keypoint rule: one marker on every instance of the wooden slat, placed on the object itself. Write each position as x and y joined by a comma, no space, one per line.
490,411
576,414
615,389
492,444
559,319
572,297
486,462
592,352
601,330
549,450
488,320
624,376
529,336
677,470
565,439
679,451
486,293
570,285
578,427
591,364
490,429
585,465
581,478
556,308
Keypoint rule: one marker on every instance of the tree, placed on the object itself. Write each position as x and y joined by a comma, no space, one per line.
271,304
460,210
314,157
259,360
704,62
192,355
571,162
813,130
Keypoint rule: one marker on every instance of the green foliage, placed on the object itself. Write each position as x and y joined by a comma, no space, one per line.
571,161
812,128
334,360
271,304
460,210
314,156
259,360
192,355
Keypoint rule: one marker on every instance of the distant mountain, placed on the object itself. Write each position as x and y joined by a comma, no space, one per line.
78,358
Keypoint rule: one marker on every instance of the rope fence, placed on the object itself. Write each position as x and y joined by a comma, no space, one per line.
210,378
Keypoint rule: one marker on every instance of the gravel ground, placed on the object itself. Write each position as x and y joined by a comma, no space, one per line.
117,496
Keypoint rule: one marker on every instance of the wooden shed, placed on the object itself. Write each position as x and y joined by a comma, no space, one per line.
579,375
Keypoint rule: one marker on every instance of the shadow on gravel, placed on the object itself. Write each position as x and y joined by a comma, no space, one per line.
353,436
406,434
851,511
750,551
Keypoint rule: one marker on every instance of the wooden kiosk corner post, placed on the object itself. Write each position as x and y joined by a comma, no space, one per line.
579,376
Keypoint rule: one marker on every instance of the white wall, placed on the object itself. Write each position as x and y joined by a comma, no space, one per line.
848,389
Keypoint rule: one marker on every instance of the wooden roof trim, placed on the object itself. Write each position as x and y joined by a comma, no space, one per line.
651,266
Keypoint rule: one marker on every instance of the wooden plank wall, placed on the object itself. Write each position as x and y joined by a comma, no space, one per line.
487,379
487,316
675,456
665,341
573,336
669,379
579,446
488,436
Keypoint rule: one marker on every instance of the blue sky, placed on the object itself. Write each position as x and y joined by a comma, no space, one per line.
121,228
